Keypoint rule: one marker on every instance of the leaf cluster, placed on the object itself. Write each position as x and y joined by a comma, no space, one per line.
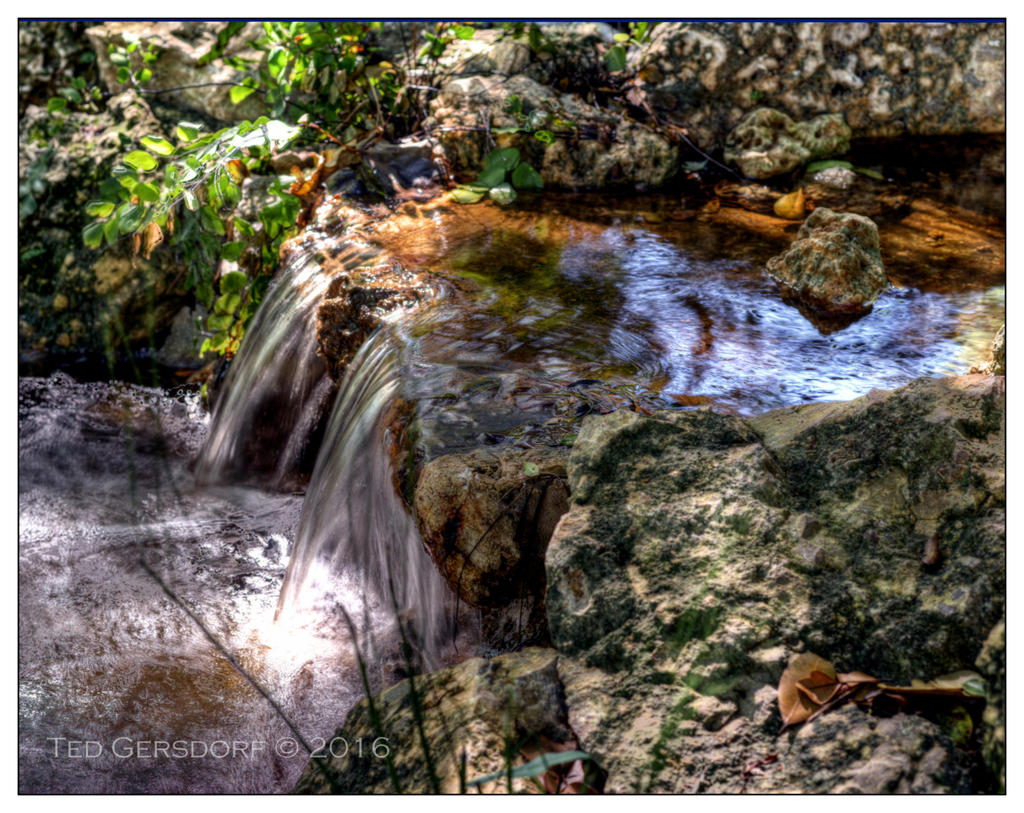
188,193
810,686
502,175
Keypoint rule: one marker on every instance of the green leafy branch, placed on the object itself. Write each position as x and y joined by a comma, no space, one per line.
189,193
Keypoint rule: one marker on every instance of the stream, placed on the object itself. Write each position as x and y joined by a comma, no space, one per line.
154,539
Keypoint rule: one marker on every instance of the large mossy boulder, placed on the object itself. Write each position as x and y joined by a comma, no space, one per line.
71,297
701,551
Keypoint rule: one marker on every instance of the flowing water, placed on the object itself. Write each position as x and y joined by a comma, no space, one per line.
132,557
277,374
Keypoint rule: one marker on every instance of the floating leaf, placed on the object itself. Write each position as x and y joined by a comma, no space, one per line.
791,206
465,194
141,160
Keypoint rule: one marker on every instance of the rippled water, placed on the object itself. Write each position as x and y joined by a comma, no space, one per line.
674,318
111,666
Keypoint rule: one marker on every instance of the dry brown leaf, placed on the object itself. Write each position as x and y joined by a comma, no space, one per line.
795,701
819,687
151,238
791,206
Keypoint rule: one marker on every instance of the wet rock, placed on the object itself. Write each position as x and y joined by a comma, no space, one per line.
179,46
887,79
769,143
681,573
71,297
475,711
486,517
354,305
834,265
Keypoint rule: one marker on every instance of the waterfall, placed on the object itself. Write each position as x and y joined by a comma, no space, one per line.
352,517
355,528
277,386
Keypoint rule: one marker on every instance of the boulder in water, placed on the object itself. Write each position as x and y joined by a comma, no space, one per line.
834,265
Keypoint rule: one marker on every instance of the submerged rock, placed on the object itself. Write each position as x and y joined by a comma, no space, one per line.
834,265
768,143
701,550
